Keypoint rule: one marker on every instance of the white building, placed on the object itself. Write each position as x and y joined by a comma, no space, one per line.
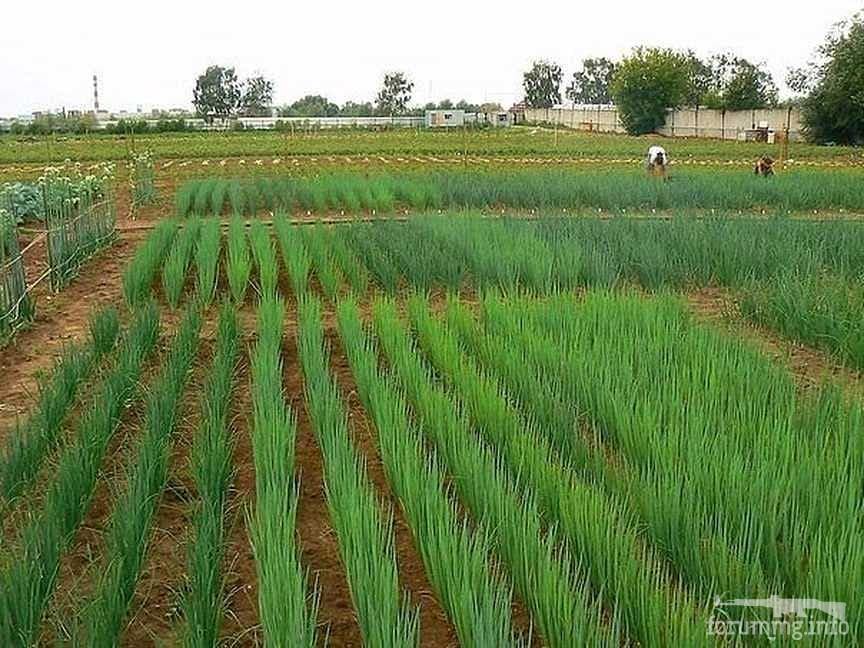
445,118
457,117
497,118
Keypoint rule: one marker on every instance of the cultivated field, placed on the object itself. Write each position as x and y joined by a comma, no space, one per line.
509,142
482,402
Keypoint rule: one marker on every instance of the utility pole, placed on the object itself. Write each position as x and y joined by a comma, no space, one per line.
464,144
557,116
784,151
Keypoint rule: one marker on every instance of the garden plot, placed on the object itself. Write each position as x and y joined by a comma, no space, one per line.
432,432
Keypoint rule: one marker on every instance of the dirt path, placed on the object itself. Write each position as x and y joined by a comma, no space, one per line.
61,319
319,544
240,625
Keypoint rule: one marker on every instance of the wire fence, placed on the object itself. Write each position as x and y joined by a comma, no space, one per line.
74,233
142,183
16,305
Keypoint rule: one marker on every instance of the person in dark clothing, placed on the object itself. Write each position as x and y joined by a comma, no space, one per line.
764,167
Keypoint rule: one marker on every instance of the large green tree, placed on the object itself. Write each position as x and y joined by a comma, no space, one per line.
648,83
701,80
310,106
357,109
542,85
217,93
447,104
394,95
739,84
833,111
593,83
257,99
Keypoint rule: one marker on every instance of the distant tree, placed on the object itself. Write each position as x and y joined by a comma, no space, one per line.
490,107
648,83
310,106
542,85
447,104
700,83
800,80
751,86
394,95
353,109
467,106
217,93
738,84
833,110
257,99
592,84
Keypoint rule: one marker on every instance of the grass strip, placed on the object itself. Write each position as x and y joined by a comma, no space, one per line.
239,260
207,260
456,556
601,533
362,523
286,609
543,571
211,467
294,253
139,275
177,263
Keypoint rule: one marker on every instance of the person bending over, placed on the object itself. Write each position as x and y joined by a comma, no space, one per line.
764,167
658,159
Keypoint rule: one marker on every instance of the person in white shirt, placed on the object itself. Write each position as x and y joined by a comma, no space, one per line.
657,161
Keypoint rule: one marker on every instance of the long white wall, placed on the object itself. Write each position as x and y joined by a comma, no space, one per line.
684,122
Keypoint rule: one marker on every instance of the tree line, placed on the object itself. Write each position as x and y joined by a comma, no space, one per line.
220,94
723,81
650,81
644,85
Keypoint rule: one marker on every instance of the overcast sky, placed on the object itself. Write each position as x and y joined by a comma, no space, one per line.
149,53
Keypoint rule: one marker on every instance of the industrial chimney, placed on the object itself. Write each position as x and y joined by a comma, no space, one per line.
95,94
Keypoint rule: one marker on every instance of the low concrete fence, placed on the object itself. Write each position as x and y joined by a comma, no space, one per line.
264,123
683,122
296,123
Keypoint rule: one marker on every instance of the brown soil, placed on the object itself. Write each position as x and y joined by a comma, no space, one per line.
34,249
80,566
435,628
61,319
16,513
240,625
319,545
